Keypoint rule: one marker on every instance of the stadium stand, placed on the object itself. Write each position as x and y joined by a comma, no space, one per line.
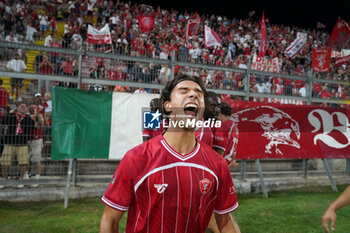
67,25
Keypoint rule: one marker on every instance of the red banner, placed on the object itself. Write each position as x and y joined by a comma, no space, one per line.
340,35
321,59
146,22
289,131
263,38
192,28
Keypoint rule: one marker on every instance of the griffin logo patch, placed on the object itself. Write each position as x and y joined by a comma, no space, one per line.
205,185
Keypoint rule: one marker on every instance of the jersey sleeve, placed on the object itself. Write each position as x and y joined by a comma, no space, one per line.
120,193
220,138
226,201
146,133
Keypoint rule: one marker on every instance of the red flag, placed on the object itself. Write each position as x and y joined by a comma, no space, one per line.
321,60
192,28
99,36
340,35
263,39
210,37
146,22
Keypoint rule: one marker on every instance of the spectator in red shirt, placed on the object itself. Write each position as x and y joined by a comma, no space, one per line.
45,67
4,98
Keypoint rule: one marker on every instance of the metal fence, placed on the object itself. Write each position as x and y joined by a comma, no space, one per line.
38,68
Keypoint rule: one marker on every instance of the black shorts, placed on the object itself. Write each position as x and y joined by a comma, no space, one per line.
16,82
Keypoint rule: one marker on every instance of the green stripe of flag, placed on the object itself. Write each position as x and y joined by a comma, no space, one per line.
81,123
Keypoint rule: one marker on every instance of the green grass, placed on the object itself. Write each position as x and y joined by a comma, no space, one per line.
297,211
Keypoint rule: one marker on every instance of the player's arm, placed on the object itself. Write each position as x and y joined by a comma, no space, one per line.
226,223
110,220
330,214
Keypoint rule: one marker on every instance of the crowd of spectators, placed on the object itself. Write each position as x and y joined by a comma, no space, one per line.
26,21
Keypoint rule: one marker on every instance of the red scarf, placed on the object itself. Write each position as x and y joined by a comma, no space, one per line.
19,127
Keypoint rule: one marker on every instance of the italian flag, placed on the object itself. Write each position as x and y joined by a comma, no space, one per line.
96,124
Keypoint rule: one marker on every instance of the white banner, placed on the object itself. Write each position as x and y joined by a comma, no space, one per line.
210,37
263,64
96,36
126,129
339,54
297,45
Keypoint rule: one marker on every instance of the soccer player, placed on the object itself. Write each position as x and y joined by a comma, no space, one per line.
230,131
212,136
147,134
173,182
330,214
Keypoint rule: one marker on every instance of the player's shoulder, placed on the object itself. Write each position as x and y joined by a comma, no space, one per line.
145,148
210,152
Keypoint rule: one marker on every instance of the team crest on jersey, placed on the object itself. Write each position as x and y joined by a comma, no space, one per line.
205,185
160,187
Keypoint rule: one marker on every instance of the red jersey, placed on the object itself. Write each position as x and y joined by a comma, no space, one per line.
205,135
152,133
220,137
3,97
231,134
164,191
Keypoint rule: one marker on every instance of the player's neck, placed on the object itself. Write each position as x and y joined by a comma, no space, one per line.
182,142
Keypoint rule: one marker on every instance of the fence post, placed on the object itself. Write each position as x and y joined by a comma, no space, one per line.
172,69
348,166
304,168
243,168
262,183
330,177
69,175
246,97
80,67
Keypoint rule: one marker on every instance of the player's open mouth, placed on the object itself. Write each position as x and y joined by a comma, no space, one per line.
191,109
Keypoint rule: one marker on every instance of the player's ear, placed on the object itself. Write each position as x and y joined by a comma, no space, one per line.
167,106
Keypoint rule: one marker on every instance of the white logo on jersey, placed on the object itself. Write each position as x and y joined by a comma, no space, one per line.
160,187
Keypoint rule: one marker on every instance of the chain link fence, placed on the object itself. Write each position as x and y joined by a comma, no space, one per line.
28,73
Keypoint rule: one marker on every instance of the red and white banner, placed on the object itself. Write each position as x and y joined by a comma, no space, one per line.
263,38
211,38
285,101
99,36
263,64
192,28
321,60
289,131
339,54
340,35
342,60
297,45
146,22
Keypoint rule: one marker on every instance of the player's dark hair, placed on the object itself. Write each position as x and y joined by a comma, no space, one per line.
169,87
212,95
225,109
